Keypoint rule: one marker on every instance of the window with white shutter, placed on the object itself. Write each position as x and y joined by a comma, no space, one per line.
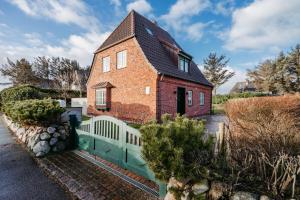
121,59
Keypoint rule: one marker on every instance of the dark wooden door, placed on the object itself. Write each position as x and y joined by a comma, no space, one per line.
181,100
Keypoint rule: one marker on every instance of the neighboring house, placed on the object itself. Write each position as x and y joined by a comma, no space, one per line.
240,87
140,73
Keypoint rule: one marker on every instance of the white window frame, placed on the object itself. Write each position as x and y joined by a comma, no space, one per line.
100,95
121,59
186,64
202,98
106,64
190,98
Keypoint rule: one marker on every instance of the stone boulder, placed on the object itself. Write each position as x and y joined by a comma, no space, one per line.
264,197
53,141
56,134
51,129
33,140
20,132
200,188
41,148
244,196
45,136
218,190
59,146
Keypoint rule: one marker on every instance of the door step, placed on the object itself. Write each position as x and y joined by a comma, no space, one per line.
115,172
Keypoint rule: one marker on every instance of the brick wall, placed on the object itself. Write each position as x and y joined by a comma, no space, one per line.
168,97
129,101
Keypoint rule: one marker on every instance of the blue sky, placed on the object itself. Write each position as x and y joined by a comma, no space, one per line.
247,32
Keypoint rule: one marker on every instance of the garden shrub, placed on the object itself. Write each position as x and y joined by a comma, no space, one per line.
220,99
177,149
34,112
264,144
19,93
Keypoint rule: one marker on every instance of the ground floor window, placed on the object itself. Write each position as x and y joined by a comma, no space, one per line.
202,98
190,97
101,97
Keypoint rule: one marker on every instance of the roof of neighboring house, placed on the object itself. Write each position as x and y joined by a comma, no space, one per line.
151,38
243,86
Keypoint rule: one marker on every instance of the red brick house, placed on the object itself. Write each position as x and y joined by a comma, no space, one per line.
140,73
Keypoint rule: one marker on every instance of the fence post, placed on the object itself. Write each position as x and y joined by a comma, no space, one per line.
74,139
162,190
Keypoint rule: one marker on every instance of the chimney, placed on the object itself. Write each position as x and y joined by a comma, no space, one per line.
154,22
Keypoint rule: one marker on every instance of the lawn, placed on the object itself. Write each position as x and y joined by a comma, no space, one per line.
218,109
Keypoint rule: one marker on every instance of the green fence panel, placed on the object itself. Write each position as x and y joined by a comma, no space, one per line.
115,141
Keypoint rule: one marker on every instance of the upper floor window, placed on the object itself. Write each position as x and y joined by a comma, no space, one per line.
106,64
184,64
202,98
101,97
121,59
190,97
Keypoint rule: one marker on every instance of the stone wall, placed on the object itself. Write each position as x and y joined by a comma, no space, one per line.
41,140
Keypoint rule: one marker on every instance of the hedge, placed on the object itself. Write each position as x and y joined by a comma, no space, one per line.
19,93
29,112
25,92
220,99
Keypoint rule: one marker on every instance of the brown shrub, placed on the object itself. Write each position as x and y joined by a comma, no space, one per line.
263,131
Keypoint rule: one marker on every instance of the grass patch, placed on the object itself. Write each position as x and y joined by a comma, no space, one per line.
218,109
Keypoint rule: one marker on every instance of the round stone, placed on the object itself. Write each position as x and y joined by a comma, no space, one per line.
45,136
42,147
56,134
53,141
51,129
60,146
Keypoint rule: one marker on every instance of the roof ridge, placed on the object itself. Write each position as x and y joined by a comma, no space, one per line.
130,16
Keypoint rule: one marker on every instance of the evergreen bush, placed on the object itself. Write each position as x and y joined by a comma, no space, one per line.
177,149
19,93
33,112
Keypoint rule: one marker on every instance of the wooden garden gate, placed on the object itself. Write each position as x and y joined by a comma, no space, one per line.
115,141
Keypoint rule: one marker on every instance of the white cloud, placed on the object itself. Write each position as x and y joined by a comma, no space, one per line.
116,3
195,31
179,16
240,75
66,12
265,24
78,47
141,6
224,7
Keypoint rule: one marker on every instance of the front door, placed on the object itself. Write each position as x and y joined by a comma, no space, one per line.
181,100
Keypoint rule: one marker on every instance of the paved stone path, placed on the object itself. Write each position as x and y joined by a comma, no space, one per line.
88,181
20,177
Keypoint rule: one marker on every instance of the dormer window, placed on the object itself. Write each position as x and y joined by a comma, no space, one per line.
184,63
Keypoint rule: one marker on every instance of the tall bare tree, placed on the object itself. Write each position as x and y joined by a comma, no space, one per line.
42,70
215,70
19,72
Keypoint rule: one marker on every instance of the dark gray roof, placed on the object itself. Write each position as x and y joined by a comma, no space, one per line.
135,25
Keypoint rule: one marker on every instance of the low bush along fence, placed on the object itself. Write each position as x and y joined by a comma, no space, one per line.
36,123
24,92
221,99
260,155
